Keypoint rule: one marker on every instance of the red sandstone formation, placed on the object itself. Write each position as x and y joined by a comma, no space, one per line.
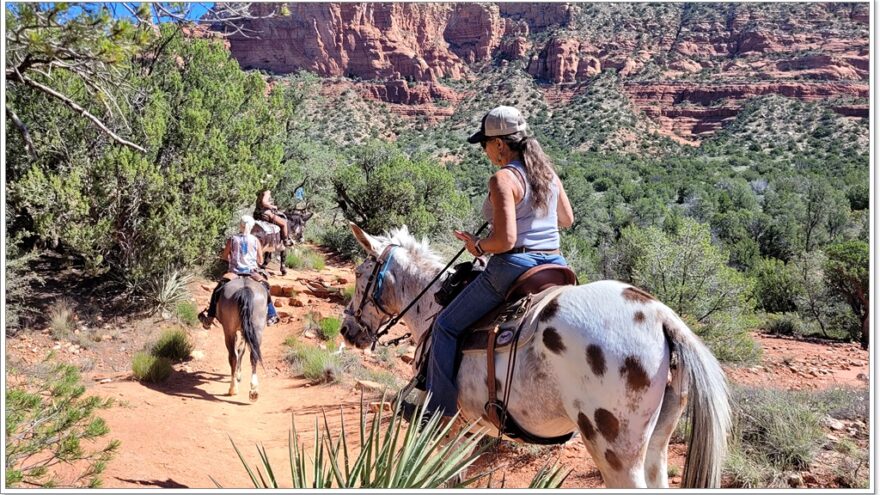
676,63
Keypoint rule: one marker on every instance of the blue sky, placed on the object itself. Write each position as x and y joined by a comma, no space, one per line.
196,10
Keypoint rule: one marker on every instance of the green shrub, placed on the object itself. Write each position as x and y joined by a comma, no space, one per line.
776,287
304,258
340,240
19,291
381,187
729,340
50,423
187,313
174,344
313,363
149,368
328,328
62,320
773,431
785,324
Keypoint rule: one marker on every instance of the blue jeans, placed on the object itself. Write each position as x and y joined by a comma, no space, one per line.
479,297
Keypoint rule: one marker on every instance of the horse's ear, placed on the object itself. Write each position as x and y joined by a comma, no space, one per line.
368,242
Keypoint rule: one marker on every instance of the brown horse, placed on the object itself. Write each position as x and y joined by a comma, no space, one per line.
241,309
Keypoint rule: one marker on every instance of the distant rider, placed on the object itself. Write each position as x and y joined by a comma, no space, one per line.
267,211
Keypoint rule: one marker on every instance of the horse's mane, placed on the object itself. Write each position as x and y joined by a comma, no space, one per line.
419,250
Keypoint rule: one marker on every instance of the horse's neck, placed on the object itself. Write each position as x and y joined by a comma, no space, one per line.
420,317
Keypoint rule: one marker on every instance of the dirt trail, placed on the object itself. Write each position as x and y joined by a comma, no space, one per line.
177,434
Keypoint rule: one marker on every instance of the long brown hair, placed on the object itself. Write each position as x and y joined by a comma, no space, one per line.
539,169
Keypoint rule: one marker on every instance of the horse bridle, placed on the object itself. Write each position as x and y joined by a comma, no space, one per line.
373,293
377,276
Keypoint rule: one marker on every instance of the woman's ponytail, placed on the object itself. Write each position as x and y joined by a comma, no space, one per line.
539,169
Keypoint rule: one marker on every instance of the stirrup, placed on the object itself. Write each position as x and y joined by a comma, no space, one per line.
206,320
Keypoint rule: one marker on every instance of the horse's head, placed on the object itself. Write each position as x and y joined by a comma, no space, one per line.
393,272
369,307
296,223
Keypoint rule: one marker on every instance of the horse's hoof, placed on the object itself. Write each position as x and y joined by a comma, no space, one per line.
254,395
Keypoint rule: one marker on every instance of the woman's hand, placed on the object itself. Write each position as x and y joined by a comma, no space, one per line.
470,241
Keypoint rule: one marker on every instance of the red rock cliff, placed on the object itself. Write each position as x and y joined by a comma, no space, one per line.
665,54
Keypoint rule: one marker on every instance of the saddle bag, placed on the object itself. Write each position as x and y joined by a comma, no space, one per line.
464,273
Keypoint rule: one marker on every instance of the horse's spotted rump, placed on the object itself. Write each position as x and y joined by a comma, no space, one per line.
636,377
633,294
596,359
553,341
639,317
613,461
607,424
549,310
586,426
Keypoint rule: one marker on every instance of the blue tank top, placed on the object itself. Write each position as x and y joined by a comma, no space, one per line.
532,231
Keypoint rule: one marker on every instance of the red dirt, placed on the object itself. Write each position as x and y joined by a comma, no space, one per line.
177,434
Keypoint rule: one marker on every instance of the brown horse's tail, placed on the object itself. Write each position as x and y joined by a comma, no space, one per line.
244,297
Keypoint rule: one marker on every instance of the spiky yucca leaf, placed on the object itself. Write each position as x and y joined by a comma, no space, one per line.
393,454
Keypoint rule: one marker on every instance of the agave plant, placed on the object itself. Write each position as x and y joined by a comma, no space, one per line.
168,289
393,454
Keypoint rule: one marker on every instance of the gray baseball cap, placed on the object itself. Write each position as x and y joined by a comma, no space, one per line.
500,121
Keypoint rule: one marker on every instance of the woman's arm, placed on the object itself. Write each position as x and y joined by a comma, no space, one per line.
502,187
224,255
564,213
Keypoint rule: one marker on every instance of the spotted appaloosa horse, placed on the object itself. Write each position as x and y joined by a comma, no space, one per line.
607,359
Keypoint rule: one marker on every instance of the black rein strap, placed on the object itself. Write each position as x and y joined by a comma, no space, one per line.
393,321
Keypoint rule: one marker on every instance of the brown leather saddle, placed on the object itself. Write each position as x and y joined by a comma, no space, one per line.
503,330
504,317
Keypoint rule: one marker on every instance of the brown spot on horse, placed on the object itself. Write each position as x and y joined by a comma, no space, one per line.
613,461
586,426
636,377
553,341
596,359
634,294
549,310
639,317
607,424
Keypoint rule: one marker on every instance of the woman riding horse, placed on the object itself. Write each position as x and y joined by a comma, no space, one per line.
243,253
526,207
606,359
267,211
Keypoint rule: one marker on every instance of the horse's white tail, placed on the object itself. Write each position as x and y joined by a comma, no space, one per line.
709,408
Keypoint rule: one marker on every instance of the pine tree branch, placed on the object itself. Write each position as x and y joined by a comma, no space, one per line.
79,109
25,133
